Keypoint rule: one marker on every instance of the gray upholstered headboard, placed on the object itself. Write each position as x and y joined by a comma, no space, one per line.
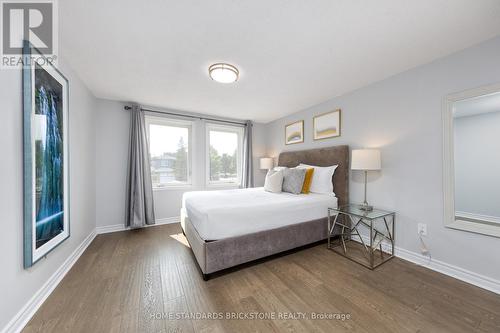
324,157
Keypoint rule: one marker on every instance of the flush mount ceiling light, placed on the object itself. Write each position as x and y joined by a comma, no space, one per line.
223,73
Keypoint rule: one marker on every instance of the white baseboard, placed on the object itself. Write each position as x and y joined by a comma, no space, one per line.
442,267
167,220
450,270
121,227
110,228
29,309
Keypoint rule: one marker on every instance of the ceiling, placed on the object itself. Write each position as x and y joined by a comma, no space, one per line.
292,54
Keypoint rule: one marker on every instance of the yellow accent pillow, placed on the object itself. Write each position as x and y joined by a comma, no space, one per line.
307,181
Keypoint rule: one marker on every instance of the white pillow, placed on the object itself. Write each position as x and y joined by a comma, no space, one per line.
274,181
321,179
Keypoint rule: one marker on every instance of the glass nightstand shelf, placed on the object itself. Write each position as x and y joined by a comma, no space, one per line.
375,247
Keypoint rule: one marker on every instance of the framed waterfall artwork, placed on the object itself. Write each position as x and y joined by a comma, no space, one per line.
294,132
326,125
46,156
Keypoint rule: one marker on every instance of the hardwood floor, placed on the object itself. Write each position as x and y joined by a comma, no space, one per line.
133,281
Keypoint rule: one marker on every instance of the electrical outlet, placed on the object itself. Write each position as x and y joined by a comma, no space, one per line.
422,229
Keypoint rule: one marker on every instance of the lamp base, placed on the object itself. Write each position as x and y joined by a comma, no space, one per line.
366,207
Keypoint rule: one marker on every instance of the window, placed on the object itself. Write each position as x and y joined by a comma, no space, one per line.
170,151
224,154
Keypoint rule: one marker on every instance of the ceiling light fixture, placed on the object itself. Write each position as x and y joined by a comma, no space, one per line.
223,73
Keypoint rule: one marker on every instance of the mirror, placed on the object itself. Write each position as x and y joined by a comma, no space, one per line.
472,147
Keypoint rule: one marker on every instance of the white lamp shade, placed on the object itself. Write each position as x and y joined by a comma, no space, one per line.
266,163
365,159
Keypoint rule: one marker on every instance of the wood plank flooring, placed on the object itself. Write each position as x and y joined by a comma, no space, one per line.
138,281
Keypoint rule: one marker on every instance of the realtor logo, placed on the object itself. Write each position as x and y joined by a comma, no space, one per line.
34,21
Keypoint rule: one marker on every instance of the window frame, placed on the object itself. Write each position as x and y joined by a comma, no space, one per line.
239,130
172,122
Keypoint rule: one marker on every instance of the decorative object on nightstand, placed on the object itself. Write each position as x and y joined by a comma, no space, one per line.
365,160
266,163
379,222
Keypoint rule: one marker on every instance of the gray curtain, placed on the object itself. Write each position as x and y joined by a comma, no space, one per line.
247,180
140,207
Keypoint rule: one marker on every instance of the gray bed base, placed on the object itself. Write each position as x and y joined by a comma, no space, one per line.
214,256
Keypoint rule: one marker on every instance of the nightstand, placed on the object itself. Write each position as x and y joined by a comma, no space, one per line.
372,233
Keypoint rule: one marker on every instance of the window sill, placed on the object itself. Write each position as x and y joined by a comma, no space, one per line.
479,227
223,185
173,188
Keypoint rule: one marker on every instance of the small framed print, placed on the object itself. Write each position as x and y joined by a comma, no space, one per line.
327,125
294,132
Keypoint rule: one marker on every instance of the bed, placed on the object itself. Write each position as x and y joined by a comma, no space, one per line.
231,227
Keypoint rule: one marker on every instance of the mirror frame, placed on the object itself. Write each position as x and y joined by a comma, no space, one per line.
470,225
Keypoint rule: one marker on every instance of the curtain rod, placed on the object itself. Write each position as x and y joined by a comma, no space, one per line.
126,107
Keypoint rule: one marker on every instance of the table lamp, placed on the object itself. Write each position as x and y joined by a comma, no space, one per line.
266,163
365,160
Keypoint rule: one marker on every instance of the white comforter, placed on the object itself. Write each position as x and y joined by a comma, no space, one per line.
228,213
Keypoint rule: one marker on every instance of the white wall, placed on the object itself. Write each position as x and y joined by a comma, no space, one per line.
477,164
112,141
112,126
259,150
18,285
402,116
